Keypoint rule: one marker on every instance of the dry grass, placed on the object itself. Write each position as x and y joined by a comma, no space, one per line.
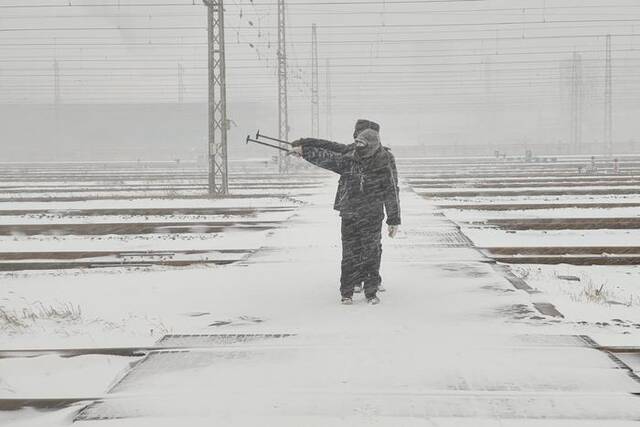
601,293
586,290
19,319
594,293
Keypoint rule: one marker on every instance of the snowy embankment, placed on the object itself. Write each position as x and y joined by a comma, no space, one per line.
543,199
37,293
602,295
596,294
120,306
550,212
451,343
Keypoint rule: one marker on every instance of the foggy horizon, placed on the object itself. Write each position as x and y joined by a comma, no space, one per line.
490,73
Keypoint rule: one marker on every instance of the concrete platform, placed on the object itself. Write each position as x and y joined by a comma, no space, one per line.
453,343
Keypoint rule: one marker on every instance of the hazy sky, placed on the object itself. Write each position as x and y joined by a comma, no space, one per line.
449,71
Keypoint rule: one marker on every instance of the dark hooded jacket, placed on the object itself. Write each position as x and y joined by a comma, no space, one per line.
368,186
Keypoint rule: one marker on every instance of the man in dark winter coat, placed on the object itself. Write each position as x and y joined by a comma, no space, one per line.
368,187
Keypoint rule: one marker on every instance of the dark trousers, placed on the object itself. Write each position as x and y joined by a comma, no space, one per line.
361,252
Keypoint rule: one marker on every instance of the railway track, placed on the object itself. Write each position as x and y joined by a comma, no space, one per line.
539,187
230,211
179,184
553,191
165,195
64,260
577,256
122,228
632,223
529,184
574,255
185,351
538,206
141,188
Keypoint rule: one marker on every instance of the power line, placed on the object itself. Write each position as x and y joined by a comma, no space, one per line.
341,42
312,66
172,58
432,25
112,5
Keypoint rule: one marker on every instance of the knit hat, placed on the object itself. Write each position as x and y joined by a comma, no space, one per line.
363,124
367,143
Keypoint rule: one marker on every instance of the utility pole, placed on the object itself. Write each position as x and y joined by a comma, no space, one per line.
283,111
490,104
218,165
180,84
328,100
608,101
576,103
57,97
315,99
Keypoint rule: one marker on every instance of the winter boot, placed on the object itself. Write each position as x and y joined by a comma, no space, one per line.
373,300
347,301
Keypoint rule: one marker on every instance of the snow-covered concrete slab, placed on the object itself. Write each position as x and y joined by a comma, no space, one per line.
42,377
445,347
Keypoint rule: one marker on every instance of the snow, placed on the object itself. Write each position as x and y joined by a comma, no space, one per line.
48,376
106,203
234,239
608,294
605,212
507,190
539,198
487,237
117,219
443,344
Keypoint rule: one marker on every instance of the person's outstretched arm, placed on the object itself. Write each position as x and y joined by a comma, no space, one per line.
325,154
335,147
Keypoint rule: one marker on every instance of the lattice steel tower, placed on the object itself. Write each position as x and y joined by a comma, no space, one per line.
218,165
608,101
315,97
283,111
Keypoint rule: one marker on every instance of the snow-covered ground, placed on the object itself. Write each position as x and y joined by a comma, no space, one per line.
508,190
608,295
493,237
233,202
111,219
229,239
452,344
604,212
545,199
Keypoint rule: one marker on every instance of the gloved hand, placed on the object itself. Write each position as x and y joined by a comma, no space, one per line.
393,230
296,151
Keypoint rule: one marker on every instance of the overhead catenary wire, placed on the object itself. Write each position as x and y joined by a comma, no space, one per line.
193,3
529,46
330,26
